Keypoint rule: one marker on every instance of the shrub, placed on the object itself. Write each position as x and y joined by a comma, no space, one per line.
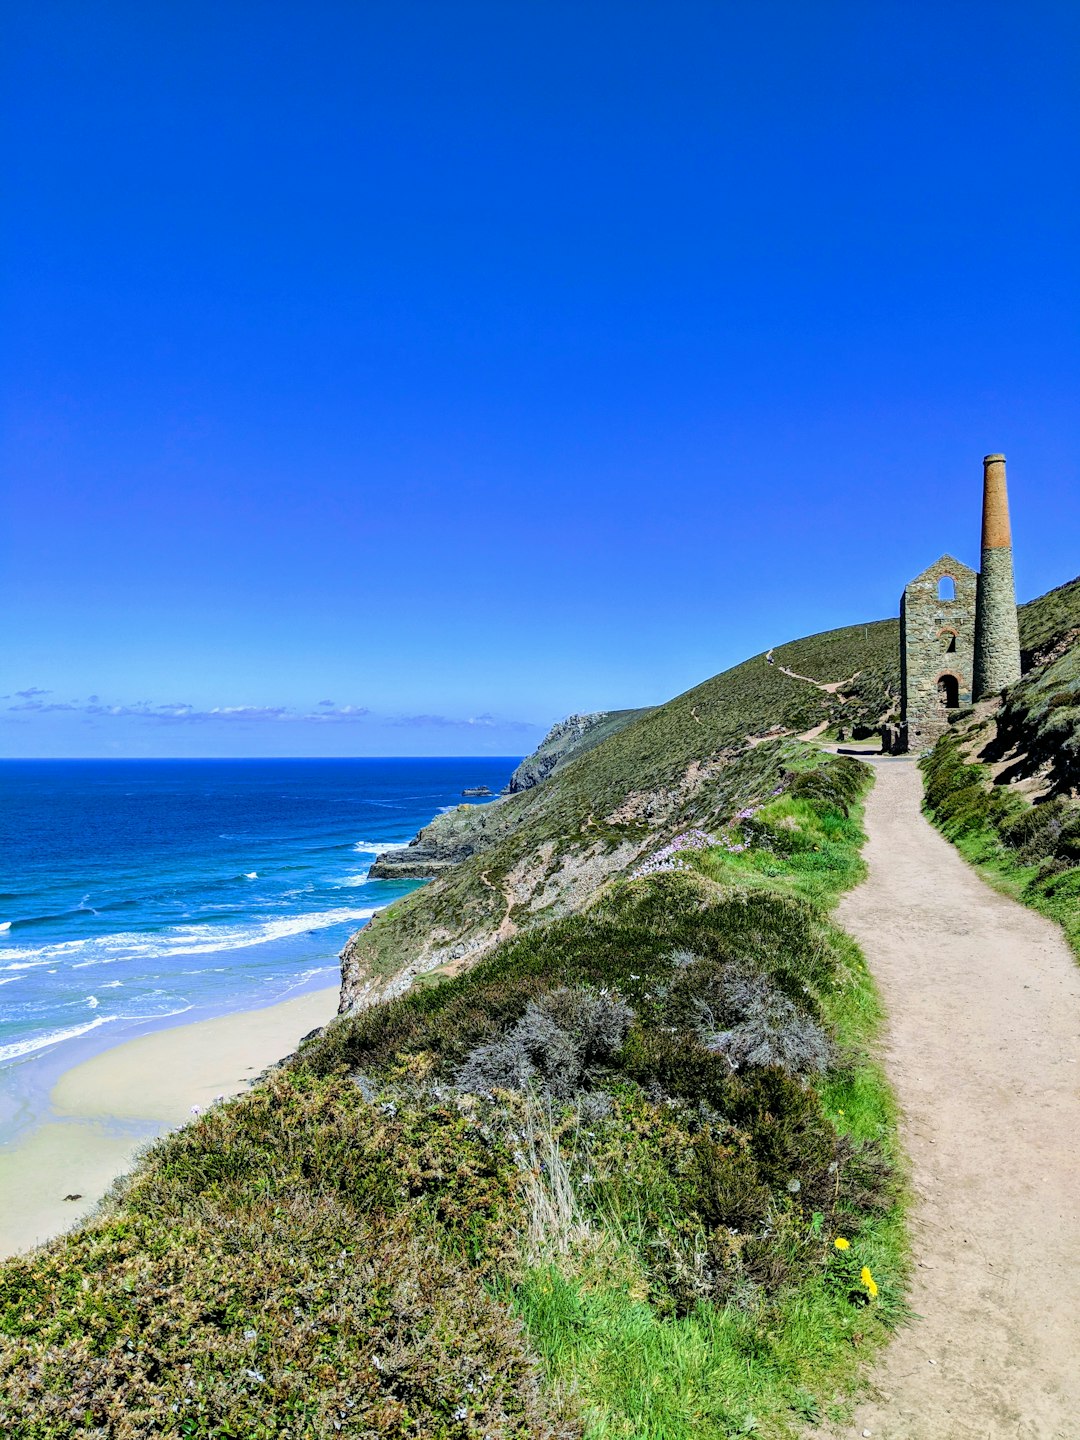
554,1048
838,784
744,1016
278,1269
1035,832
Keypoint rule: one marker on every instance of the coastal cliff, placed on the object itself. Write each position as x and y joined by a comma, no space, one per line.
626,783
625,1133
566,739
468,829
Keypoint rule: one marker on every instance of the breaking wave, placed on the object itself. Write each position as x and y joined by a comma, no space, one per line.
177,940
53,1037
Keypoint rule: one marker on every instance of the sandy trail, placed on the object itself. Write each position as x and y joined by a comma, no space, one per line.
983,1049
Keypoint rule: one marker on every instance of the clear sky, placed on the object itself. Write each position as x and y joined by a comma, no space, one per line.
390,377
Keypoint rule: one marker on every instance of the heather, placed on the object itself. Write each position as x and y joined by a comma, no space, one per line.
1029,850
593,1186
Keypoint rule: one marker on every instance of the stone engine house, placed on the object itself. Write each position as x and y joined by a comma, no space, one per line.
959,636
937,648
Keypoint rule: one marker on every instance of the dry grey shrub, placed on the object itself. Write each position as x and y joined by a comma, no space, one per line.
554,1047
747,1019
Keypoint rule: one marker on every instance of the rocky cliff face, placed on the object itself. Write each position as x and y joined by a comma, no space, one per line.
447,840
564,740
461,833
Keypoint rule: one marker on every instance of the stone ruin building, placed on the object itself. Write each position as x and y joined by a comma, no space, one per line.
959,637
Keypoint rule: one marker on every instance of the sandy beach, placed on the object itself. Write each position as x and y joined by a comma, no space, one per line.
106,1108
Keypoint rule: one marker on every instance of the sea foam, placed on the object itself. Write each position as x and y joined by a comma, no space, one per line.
178,940
39,1042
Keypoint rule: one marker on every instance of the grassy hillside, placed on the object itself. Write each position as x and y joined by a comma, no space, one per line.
545,851
630,1176
1003,786
558,748
1048,621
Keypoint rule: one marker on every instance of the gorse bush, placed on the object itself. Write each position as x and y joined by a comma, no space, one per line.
646,1096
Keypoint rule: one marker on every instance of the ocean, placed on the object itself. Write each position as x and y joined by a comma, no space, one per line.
136,891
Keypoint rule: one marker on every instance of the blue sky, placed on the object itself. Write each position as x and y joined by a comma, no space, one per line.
394,378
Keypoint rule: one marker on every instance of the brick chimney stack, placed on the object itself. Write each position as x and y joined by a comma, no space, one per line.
997,633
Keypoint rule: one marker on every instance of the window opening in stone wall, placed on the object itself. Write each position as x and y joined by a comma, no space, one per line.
946,588
948,641
948,689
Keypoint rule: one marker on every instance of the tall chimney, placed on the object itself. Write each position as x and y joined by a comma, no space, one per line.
997,633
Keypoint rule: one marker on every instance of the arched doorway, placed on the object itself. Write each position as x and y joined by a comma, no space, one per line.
948,689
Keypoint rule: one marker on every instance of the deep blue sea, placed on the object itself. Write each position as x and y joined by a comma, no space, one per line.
135,891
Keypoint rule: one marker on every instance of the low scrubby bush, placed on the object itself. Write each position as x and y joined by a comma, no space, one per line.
1035,832
743,1015
556,1046
837,785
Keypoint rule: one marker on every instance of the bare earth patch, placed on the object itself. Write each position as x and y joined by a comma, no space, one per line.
983,999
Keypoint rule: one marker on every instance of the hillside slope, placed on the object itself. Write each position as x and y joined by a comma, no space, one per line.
542,853
1004,783
565,741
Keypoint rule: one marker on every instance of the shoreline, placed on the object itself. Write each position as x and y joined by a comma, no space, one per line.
27,1082
105,1108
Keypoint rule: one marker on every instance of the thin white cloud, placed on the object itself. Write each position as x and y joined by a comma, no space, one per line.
472,722
180,712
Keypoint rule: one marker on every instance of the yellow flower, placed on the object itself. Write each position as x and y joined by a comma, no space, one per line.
841,1243
869,1281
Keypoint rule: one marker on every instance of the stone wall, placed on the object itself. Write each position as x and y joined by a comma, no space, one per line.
937,650
997,634
997,652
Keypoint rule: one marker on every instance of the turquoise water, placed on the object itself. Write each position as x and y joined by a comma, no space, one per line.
132,892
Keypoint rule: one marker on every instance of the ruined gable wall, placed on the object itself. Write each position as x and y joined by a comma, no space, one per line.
927,623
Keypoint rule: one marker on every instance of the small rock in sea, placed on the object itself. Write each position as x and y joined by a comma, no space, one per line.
72,1197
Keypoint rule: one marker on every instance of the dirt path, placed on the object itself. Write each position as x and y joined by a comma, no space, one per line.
830,687
983,1050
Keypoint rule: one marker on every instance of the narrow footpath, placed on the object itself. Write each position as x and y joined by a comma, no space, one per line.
983,1051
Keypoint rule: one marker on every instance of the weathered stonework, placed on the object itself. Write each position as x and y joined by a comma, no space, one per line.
997,632
961,645
937,647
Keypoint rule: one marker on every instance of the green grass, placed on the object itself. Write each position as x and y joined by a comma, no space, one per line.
1031,853
1045,620
354,1242
581,809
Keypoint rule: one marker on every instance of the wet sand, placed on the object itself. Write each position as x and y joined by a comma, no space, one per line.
106,1108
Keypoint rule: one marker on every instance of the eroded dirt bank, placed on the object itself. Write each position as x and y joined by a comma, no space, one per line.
983,999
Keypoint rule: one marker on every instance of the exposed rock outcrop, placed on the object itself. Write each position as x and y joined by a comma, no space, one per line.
565,740
450,838
468,829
